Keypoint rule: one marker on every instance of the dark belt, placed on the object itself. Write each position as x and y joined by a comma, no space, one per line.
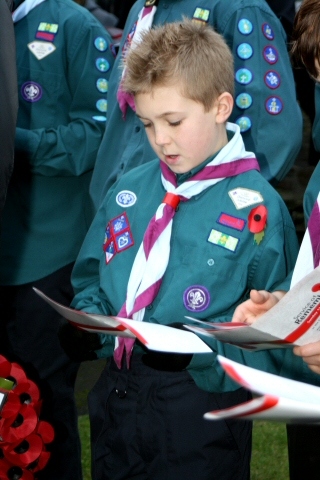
165,361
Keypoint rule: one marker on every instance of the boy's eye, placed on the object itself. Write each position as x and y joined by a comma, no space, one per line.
175,124
146,125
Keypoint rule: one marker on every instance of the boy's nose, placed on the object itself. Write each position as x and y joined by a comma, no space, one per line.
161,138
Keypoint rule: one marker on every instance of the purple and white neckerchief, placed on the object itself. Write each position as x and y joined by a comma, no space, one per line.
24,8
143,24
152,257
309,253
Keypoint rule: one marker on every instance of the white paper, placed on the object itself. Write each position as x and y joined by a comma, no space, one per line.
155,337
294,320
282,399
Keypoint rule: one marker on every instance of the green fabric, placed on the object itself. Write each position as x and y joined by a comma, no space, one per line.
48,208
228,276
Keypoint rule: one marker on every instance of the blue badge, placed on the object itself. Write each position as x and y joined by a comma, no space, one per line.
244,100
196,298
99,118
270,54
101,44
201,14
267,31
244,124
123,241
244,51
110,251
102,105
31,91
243,76
119,223
274,105
245,26
102,85
102,64
126,198
272,79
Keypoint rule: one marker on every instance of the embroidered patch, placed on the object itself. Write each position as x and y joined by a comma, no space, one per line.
118,236
125,198
244,123
102,105
47,31
102,64
243,197
196,298
244,100
223,240
102,85
267,31
245,26
244,76
272,79
231,221
274,105
41,49
99,118
31,91
270,54
101,44
244,51
201,14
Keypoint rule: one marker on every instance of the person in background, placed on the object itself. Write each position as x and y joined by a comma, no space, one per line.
188,233
64,60
8,97
303,440
265,108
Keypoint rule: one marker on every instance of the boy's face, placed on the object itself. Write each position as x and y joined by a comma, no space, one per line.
179,130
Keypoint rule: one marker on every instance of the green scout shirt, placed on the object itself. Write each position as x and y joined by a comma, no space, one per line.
64,61
265,99
212,252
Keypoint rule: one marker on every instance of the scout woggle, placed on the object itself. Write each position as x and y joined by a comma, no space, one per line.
23,436
257,220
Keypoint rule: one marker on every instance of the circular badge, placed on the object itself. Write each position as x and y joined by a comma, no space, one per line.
272,79
196,298
274,105
99,118
245,26
102,105
126,198
101,44
244,124
102,85
267,31
244,51
102,64
244,100
270,54
31,91
243,76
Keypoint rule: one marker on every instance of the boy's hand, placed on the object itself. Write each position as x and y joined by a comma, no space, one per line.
310,354
78,344
259,303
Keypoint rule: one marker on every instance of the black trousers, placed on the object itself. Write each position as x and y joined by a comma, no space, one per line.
28,335
148,424
303,451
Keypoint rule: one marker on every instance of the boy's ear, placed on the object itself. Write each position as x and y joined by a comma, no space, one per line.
224,107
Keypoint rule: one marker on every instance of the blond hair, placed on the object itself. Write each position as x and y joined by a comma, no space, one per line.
186,53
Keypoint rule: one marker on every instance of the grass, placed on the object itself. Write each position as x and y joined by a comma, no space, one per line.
269,456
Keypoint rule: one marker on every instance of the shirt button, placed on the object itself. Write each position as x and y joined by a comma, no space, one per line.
137,129
210,262
149,307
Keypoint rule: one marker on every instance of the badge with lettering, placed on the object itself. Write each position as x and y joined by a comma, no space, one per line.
31,91
274,105
41,49
223,240
244,197
126,198
196,298
231,221
47,31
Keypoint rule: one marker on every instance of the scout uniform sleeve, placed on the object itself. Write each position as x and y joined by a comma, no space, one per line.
70,148
266,108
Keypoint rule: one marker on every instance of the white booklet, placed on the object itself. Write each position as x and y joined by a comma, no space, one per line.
294,320
154,336
280,399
